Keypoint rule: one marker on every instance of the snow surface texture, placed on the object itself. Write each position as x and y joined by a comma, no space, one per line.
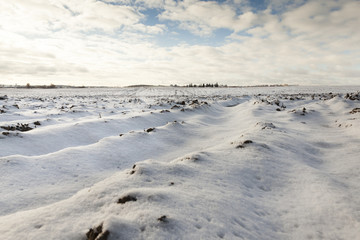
175,163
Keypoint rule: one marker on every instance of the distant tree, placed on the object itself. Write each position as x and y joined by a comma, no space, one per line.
28,85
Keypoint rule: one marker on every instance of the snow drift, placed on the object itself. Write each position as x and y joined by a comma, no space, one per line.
164,164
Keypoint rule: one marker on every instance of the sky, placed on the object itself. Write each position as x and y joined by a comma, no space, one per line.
163,42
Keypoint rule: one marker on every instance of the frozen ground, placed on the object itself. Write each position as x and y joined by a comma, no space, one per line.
180,163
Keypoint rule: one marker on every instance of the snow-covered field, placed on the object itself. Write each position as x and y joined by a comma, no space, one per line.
180,163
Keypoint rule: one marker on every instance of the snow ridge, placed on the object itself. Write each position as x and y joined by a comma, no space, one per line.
254,167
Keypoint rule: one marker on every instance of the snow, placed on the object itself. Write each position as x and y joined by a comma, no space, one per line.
232,163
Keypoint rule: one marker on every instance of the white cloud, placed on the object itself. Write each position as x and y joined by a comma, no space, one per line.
151,3
153,30
42,15
332,18
91,42
204,17
199,17
96,14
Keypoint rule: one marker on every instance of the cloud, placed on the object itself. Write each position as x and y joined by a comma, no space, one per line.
96,14
332,18
151,3
202,18
109,43
86,15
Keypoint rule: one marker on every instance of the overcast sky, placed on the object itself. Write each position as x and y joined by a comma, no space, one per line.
125,42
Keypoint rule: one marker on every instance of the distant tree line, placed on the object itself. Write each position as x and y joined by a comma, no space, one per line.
205,85
40,86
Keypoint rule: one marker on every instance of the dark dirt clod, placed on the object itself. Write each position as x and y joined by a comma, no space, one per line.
38,226
132,172
150,130
127,198
355,110
19,127
353,96
97,233
9,128
194,158
5,133
134,166
244,144
23,127
37,123
163,218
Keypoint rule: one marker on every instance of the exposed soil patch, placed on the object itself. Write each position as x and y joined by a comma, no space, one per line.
355,110
195,102
163,218
193,158
302,112
97,233
243,145
353,96
149,130
265,125
18,127
126,199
